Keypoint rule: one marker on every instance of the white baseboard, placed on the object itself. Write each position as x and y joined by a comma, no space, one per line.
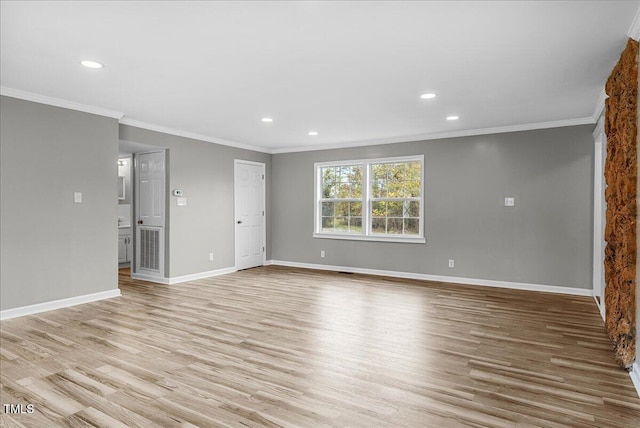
439,278
57,304
600,307
183,278
201,275
635,375
150,278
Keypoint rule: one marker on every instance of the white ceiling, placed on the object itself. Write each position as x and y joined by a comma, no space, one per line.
352,71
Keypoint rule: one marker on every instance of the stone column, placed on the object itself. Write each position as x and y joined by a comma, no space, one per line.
621,170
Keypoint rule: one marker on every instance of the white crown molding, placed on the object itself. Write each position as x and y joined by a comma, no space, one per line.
599,108
442,135
58,102
191,135
634,30
57,304
635,376
30,96
439,278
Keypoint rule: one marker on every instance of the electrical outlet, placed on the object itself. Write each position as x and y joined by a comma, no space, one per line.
322,253
211,257
451,263
509,202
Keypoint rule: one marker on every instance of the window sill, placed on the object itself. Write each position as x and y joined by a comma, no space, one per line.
405,240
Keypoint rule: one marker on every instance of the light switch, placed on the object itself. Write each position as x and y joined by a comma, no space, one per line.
509,202
77,197
182,202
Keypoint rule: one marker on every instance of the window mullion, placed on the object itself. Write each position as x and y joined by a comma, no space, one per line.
318,198
366,215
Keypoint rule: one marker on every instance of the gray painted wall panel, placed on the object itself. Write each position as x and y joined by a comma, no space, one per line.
47,153
545,239
52,248
204,171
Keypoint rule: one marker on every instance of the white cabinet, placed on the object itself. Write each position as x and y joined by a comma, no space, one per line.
124,245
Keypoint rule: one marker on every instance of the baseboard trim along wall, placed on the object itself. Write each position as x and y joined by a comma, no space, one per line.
87,298
202,275
183,278
449,279
57,304
72,301
150,278
635,375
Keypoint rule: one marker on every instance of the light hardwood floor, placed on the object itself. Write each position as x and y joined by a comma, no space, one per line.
276,346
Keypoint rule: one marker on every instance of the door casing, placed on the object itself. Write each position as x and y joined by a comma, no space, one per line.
261,167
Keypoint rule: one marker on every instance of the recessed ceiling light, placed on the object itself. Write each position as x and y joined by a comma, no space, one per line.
428,96
313,133
453,117
91,64
267,120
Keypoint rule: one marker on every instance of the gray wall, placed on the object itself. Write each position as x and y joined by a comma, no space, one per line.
204,171
545,239
66,249
50,247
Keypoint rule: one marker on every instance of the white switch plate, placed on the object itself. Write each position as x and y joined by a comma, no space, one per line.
181,202
77,197
509,202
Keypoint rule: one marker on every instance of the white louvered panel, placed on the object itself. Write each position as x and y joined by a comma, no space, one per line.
150,249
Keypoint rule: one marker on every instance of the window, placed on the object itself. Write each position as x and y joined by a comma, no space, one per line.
375,199
341,198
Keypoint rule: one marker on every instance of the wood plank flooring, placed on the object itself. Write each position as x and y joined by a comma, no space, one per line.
276,346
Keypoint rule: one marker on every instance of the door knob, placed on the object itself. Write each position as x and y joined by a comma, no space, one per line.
239,221
140,221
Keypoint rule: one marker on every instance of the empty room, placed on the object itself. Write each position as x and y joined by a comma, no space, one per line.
319,213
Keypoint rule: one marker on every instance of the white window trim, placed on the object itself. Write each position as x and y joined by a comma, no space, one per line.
366,202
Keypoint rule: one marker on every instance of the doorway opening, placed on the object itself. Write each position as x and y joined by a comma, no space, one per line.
142,215
125,211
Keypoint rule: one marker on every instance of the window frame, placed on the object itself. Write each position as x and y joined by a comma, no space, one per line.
367,201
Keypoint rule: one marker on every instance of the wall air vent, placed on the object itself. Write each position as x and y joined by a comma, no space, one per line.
150,249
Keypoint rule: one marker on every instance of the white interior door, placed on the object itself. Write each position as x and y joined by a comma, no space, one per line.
249,202
151,175
150,200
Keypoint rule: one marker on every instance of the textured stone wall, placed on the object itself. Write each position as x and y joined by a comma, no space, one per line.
620,233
